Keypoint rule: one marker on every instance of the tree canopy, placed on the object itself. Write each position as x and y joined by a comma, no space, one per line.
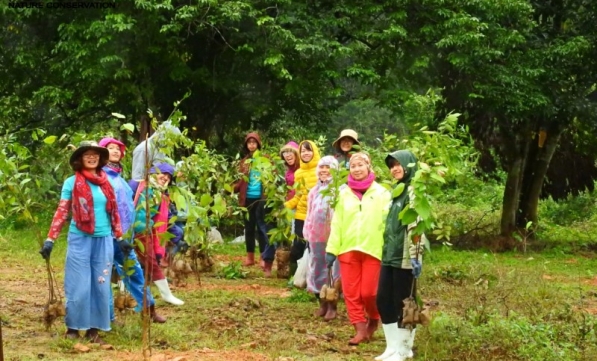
518,71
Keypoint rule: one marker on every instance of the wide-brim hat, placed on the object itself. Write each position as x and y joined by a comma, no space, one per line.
87,145
347,133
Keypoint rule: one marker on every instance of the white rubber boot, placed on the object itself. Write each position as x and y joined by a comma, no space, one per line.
390,331
402,349
411,342
166,294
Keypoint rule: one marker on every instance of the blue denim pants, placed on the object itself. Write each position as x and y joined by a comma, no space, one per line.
133,282
256,220
87,275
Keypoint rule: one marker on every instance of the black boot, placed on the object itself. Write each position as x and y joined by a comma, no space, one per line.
93,336
71,334
293,267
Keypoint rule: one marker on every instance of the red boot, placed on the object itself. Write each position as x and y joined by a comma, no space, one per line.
267,268
332,311
154,316
323,308
250,259
372,326
361,335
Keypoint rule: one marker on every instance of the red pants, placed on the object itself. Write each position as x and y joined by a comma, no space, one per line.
360,276
154,272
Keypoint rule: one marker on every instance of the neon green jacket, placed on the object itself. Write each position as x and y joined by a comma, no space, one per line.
358,225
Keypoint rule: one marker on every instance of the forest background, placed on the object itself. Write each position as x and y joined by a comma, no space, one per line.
522,75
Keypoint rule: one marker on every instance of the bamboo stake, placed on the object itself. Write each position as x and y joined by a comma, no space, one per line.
148,264
1,342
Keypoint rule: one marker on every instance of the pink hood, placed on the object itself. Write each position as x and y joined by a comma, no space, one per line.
107,141
291,146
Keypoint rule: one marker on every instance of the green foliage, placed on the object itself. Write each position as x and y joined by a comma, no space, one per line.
573,209
202,191
568,225
339,179
19,189
516,337
511,68
451,274
271,172
368,119
442,155
299,295
233,271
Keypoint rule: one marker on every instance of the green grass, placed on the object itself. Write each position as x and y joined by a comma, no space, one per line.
489,307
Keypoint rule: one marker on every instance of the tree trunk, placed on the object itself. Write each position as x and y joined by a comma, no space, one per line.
514,183
529,200
511,197
145,127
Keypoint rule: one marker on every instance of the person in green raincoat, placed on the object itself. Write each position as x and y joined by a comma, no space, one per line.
400,263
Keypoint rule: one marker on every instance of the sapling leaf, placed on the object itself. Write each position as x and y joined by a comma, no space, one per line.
397,191
422,207
50,140
128,127
408,216
205,200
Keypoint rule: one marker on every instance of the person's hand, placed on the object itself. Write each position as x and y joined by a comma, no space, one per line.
330,259
181,247
417,267
125,247
158,258
46,249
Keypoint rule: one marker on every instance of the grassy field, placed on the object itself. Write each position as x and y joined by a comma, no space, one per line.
485,306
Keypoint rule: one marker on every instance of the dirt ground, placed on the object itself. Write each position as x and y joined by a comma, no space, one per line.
221,316
24,294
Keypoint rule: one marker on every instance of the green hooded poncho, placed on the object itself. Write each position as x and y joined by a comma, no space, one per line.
397,248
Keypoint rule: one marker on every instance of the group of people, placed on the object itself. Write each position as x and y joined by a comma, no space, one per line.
360,240
105,207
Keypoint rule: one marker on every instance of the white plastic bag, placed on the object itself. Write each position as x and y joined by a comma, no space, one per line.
214,236
300,277
239,239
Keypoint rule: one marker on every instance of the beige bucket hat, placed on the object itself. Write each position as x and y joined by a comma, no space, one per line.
86,145
347,133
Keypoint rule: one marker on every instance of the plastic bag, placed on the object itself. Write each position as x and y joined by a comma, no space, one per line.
300,277
214,236
238,240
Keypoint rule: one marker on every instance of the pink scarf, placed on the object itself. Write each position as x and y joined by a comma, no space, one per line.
360,187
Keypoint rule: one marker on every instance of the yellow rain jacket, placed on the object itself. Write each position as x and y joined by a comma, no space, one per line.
306,178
